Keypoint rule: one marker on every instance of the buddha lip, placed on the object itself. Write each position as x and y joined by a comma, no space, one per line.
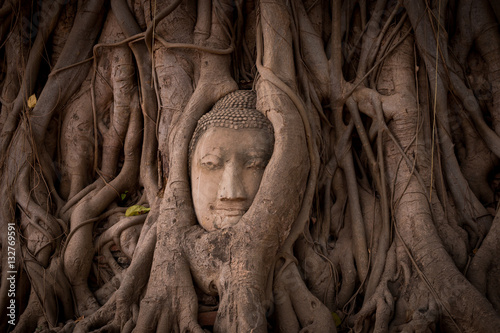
232,211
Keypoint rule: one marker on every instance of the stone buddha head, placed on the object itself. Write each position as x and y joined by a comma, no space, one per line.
229,151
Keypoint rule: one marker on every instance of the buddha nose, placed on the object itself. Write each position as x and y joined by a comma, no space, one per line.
231,185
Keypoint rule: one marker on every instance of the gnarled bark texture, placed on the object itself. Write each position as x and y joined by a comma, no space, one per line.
377,212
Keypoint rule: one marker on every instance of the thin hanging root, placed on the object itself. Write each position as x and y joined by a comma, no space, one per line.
384,52
169,45
467,203
377,63
374,49
375,110
378,174
370,45
150,31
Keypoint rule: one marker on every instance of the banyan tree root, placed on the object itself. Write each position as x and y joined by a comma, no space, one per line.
371,182
296,306
381,303
102,320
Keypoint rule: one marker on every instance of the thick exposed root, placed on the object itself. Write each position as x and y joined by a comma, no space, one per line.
381,303
101,319
131,288
298,310
483,271
375,206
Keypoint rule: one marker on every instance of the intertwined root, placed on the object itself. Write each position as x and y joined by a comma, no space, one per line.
297,308
378,184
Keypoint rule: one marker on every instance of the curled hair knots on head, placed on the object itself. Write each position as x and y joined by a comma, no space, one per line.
236,110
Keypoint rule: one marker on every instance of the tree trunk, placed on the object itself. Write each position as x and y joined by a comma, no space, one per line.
376,212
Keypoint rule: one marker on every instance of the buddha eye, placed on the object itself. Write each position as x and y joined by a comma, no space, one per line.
211,162
256,163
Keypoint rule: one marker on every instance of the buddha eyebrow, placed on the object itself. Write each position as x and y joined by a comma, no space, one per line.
211,154
256,152
217,151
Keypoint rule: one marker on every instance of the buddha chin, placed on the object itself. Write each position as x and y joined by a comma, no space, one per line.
222,222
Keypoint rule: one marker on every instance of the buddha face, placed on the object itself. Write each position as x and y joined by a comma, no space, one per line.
226,169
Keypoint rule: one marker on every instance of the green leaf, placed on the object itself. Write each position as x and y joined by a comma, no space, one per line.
336,319
136,210
123,195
